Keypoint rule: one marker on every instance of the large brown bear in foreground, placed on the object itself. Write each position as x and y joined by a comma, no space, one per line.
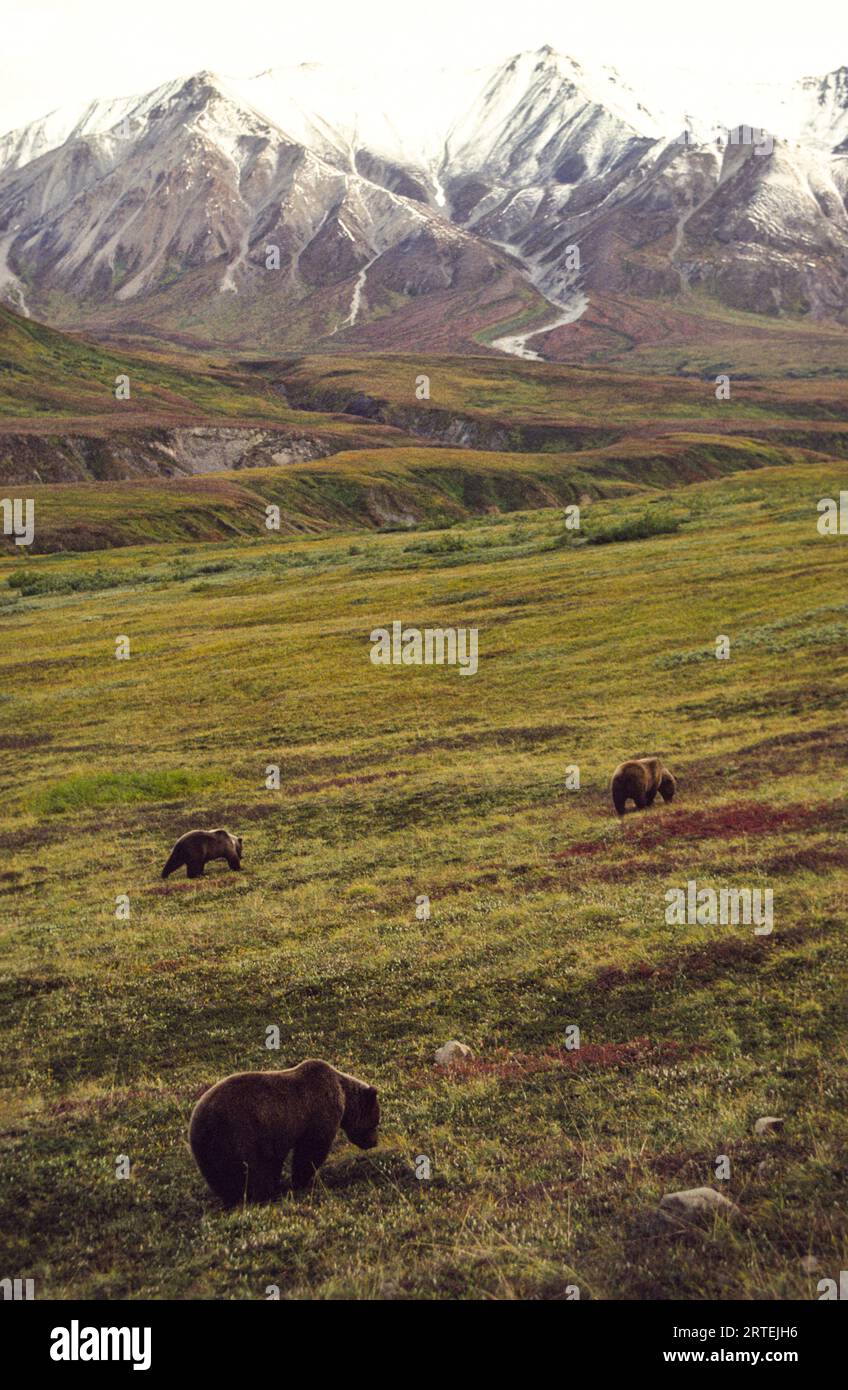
242,1129
197,847
639,780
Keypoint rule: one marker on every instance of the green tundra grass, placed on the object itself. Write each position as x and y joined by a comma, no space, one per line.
389,488
547,1163
549,392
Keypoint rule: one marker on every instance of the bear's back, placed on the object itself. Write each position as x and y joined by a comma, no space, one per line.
291,1092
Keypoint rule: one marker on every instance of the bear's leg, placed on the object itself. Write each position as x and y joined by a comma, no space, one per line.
667,787
310,1152
649,799
194,866
233,861
263,1181
175,861
227,1179
619,798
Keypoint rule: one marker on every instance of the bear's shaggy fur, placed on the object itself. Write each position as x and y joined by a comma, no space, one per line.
242,1129
197,847
639,780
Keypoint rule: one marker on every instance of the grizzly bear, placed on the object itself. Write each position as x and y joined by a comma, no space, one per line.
197,847
639,780
242,1129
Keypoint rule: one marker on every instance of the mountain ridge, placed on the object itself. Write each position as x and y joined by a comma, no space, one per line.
540,185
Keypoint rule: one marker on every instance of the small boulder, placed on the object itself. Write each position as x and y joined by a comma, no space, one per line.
451,1052
810,1264
768,1124
695,1203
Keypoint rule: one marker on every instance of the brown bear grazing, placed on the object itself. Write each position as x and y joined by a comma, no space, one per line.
199,846
639,780
242,1129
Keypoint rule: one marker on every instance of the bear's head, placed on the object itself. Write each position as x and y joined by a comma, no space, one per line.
668,786
239,845
362,1115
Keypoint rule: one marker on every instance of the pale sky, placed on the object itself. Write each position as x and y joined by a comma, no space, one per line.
57,52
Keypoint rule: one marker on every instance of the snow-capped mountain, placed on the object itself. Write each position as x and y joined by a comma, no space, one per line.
303,206
193,198
824,102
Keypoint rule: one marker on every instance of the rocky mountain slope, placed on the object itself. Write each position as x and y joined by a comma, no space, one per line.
304,206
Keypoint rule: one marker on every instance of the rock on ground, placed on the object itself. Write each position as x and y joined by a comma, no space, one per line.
695,1203
451,1052
767,1124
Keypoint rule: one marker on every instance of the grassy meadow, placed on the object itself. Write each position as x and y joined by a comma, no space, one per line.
547,1163
528,393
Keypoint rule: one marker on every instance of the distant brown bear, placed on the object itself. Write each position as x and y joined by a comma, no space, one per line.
197,847
244,1127
639,780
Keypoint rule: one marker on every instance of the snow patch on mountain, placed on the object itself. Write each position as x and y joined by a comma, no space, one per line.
357,294
11,289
